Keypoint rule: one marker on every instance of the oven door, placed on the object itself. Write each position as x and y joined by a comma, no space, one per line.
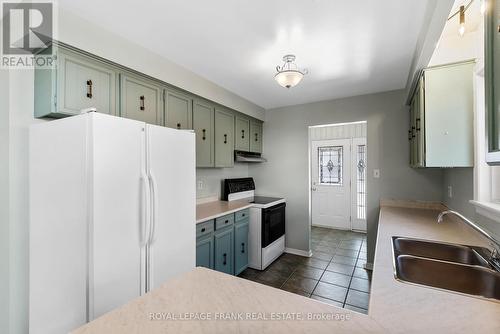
273,224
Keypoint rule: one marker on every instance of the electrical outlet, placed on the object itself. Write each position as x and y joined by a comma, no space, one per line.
376,173
200,185
450,192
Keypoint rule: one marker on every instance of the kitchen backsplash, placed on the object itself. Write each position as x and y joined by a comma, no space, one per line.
210,179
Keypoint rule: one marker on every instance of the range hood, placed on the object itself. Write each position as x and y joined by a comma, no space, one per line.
241,156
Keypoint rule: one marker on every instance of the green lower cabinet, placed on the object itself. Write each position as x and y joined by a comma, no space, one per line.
223,241
205,252
240,246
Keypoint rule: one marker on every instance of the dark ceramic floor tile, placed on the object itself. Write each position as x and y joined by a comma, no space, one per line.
282,266
295,290
291,258
357,298
322,256
351,243
351,261
360,284
360,263
300,283
346,252
329,243
325,249
249,273
316,263
327,301
349,246
330,291
336,278
356,309
272,277
340,268
362,273
308,272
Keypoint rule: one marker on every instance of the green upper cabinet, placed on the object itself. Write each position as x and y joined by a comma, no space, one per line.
242,133
449,116
441,117
224,138
141,100
77,83
178,110
203,124
255,136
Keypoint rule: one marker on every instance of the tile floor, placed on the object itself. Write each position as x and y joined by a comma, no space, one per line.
334,274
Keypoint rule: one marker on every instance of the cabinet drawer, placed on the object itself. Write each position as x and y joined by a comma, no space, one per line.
224,221
240,215
204,228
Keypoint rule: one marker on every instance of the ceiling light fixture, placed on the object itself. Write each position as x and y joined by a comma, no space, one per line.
461,15
289,74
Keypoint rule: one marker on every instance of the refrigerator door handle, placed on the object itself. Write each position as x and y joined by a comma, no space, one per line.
145,228
154,208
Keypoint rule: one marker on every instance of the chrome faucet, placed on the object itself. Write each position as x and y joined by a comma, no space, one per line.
494,243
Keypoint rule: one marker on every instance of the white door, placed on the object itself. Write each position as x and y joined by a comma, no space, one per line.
172,172
330,188
358,184
117,256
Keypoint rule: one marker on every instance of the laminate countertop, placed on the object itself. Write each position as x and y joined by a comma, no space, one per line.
205,301
215,209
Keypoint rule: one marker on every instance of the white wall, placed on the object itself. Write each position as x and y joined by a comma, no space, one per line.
286,148
4,201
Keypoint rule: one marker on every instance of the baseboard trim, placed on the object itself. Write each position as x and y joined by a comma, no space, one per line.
298,252
368,266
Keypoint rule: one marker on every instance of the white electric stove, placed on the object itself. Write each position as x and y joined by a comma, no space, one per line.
266,237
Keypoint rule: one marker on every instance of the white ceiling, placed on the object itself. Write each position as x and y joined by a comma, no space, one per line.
349,47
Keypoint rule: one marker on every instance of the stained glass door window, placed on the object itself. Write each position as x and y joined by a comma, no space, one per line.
361,181
330,165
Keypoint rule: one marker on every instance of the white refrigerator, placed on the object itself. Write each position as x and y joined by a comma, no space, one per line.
112,215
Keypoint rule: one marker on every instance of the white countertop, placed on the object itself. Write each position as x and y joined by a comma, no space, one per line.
395,307
212,210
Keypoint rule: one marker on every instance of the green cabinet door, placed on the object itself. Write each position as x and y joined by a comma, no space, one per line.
224,138
255,136
80,83
242,133
205,252
178,110
223,243
203,124
241,245
141,100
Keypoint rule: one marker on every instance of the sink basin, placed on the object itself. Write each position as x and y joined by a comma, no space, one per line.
472,280
441,251
459,268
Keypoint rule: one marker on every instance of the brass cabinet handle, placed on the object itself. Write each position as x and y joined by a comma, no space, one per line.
141,102
409,135
89,89
242,247
225,138
256,136
413,132
418,124
242,134
204,134
225,259
178,125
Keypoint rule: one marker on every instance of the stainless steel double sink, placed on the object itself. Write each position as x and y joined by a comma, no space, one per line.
459,268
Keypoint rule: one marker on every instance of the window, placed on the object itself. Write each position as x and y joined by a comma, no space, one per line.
361,181
330,165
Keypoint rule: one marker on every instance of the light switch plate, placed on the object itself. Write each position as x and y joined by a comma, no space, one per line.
376,173
450,192
200,185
